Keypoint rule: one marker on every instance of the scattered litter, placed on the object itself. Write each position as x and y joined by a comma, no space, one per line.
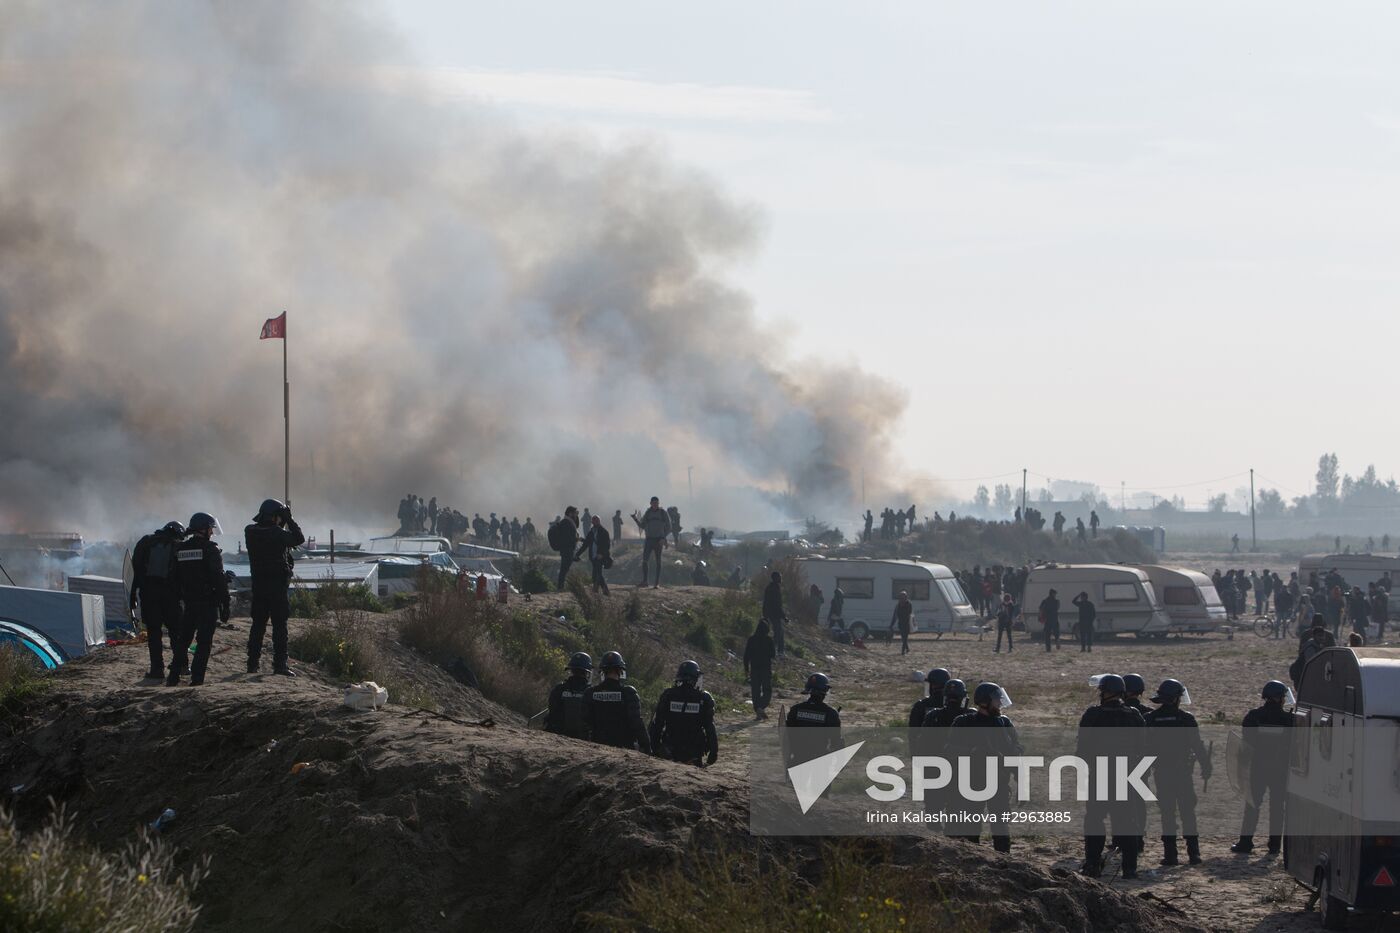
367,695
831,657
163,820
271,745
18,788
297,768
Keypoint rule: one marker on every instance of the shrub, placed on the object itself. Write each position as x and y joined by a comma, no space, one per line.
700,636
20,678
55,883
529,575
346,647
308,603
858,890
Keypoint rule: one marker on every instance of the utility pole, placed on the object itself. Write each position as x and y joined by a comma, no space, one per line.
690,484
1123,495
862,487
1253,524
1023,495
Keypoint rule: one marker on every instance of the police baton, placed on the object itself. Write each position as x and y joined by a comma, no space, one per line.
1210,756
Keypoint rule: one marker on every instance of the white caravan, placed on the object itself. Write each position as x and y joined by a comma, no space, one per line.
1124,597
1357,569
872,588
1189,598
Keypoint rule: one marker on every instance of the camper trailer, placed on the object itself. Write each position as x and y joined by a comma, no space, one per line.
1188,597
872,589
1124,597
1357,569
1342,830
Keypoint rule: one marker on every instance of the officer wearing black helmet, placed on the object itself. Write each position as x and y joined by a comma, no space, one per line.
1116,732
813,713
614,709
568,701
954,705
153,582
683,727
936,679
1266,743
204,590
1134,686
270,540
977,735
1174,738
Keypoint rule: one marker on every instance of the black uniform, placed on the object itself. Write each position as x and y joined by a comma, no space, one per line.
1126,737
1175,739
568,714
614,712
813,713
922,708
1050,610
683,727
1268,745
204,591
270,563
154,582
1087,614
976,735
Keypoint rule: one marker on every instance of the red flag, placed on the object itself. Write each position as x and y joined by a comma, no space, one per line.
275,327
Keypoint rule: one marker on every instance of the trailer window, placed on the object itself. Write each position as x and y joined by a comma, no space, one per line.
953,592
1120,593
857,587
917,589
1180,596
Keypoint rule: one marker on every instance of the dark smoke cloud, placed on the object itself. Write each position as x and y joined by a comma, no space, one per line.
502,319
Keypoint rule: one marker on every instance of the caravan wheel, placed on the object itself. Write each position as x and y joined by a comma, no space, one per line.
860,630
1334,910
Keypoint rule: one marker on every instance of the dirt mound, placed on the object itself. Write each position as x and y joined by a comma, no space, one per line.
404,819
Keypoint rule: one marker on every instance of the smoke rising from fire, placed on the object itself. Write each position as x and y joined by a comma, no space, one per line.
499,318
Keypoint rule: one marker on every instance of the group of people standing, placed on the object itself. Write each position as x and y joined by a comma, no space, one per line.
893,523
1293,601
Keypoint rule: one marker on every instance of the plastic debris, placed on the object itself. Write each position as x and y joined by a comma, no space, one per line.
163,820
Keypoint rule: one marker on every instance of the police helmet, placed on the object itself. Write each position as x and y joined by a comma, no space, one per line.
817,684
954,691
1111,685
270,508
1172,690
612,661
1134,685
175,528
1275,690
989,692
201,521
580,662
688,672
939,677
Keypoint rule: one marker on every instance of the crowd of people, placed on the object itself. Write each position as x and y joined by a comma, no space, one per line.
1294,602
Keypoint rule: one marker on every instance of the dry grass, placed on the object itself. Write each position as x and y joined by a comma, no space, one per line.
20,679
55,883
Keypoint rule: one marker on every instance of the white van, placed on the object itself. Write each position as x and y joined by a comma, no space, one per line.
1124,597
872,588
1189,598
1342,830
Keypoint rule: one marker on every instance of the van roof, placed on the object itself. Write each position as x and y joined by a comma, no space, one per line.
1085,570
1380,680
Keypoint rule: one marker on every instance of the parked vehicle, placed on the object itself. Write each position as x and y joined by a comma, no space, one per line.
1188,597
1124,597
1342,830
872,589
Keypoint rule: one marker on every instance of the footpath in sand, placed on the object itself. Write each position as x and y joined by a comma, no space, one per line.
402,819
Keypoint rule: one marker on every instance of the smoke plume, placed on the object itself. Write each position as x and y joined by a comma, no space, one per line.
502,319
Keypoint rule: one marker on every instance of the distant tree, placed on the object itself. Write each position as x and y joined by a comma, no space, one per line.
1045,495
1328,480
1217,503
1002,498
982,500
1270,504
1164,507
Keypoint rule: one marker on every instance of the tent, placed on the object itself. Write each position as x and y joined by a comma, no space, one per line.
72,621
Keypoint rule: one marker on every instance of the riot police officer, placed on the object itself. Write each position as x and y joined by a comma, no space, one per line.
1175,740
1266,742
153,581
1114,731
567,701
813,713
683,727
982,733
204,590
1134,686
614,709
954,705
270,540
933,701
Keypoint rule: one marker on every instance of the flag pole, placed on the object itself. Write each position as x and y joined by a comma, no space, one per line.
286,423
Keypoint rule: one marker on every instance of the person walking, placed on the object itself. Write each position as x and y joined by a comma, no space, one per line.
1050,616
1006,615
154,585
1174,740
563,537
598,544
1265,750
902,619
758,668
773,609
1087,614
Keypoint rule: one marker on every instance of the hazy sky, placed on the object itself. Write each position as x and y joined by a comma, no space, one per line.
1147,242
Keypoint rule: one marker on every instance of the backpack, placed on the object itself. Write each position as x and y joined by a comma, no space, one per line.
559,535
160,560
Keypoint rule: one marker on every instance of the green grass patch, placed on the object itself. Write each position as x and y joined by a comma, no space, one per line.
20,678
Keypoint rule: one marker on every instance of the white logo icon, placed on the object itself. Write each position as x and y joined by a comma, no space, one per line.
811,778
